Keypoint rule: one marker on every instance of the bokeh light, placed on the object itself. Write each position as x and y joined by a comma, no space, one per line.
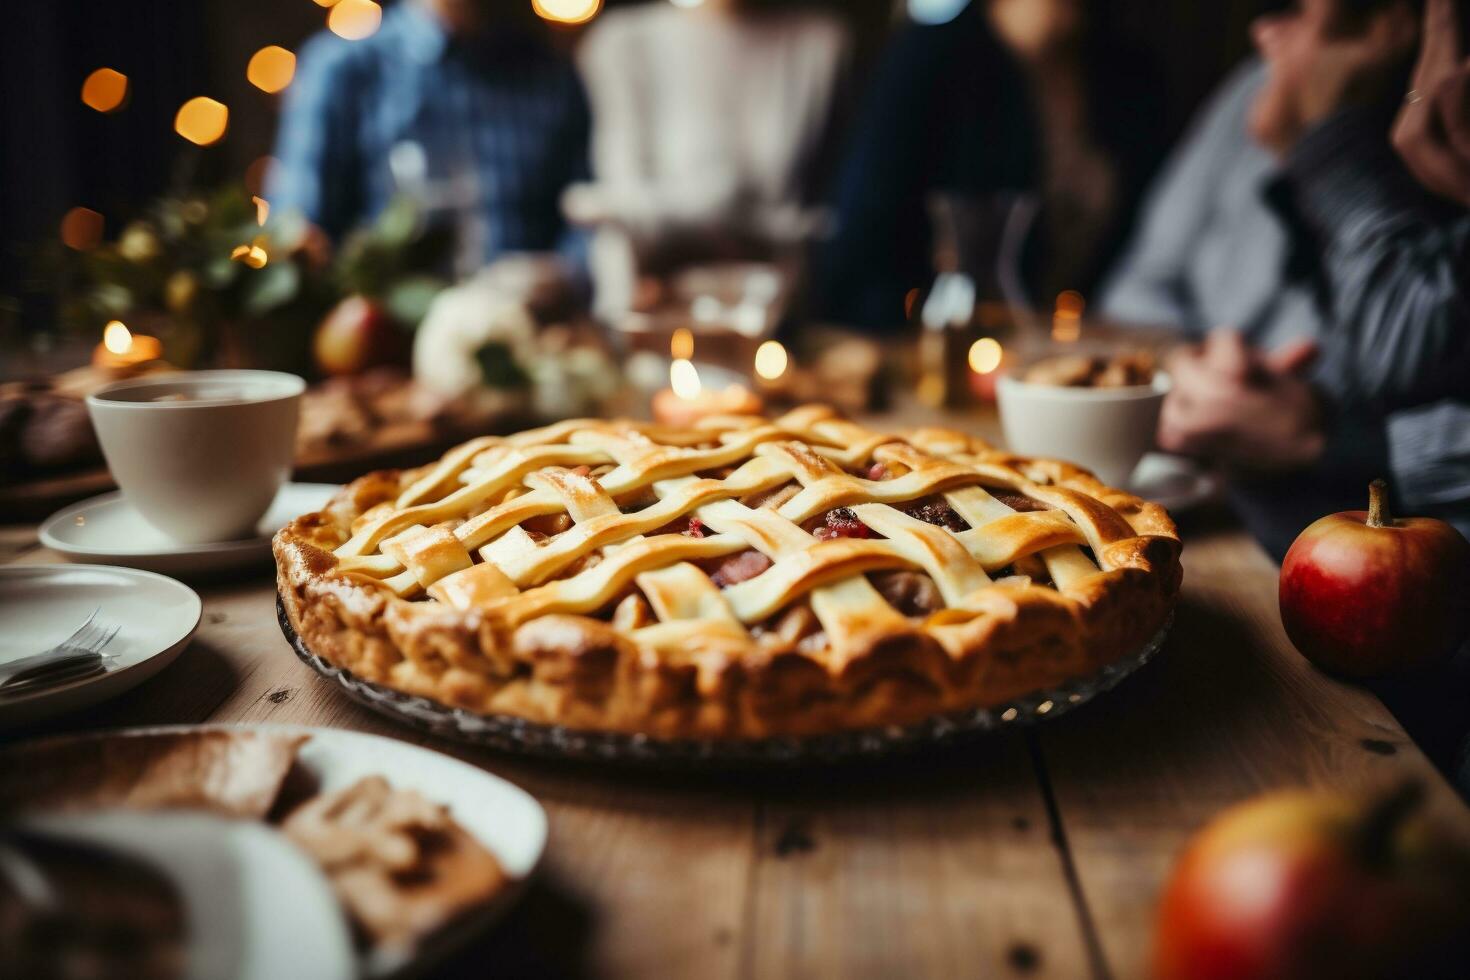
1070,301
681,344
325,3
684,379
105,90
116,337
985,355
81,229
1066,322
252,255
202,120
355,19
271,68
262,209
770,360
566,11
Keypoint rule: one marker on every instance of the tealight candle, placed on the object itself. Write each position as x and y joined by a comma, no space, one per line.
122,351
687,400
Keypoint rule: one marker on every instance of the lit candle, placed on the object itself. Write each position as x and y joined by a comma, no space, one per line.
121,351
986,358
687,400
771,362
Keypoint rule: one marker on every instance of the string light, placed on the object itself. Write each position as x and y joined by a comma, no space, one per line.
271,69
105,90
770,360
202,120
684,379
81,229
566,11
355,19
985,355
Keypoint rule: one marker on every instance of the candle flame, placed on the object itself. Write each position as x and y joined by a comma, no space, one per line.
681,345
684,379
117,338
771,360
985,355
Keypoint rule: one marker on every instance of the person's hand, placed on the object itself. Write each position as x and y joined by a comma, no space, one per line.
1320,59
1432,131
1238,406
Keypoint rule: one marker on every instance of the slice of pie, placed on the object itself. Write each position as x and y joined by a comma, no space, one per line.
741,578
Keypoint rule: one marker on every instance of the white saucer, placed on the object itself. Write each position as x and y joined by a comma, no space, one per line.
257,907
40,605
109,531
1175,482
504,818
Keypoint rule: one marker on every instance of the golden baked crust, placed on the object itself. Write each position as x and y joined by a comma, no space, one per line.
573,575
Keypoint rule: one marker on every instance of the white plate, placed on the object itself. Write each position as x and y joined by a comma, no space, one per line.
108,530
504,818
41,605
1174,482
256,907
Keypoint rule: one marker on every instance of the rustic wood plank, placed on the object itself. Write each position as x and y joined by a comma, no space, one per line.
1229,710
938,867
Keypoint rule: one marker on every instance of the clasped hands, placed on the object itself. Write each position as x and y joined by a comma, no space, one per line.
1241,407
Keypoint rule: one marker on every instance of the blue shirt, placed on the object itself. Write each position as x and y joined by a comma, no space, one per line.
485,132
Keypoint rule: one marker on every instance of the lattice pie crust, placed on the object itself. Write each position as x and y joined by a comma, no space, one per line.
739,579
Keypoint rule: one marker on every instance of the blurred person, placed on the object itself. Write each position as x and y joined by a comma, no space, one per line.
1301,399
460,104
1098,102
711,126
946,113
1387,378
1432,131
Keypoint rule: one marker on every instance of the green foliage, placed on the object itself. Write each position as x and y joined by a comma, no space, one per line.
499,368
187,262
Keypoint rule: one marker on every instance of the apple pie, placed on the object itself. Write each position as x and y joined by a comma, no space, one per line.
736,579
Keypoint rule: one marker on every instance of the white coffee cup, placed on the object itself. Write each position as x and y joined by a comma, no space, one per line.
1106,430
200,454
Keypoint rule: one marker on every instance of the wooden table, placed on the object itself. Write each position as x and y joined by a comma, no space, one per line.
1035,853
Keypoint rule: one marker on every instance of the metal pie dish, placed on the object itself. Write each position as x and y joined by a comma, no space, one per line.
508,733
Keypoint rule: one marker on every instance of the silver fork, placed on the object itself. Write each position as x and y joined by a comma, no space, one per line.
77,656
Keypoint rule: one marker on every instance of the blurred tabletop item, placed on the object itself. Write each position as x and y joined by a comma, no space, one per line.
1033,852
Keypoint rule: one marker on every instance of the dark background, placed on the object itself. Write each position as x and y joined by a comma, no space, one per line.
55,153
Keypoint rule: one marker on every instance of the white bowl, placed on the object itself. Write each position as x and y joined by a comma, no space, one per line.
1106,430
200,454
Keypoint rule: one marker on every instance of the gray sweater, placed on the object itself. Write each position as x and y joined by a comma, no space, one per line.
1340,245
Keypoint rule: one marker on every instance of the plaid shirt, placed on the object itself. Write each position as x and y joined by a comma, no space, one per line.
486,133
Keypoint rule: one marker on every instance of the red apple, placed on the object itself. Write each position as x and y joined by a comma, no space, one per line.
356,335
1365,594
1301,886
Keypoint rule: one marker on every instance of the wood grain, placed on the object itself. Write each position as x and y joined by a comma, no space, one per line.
1027,855
1227,711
